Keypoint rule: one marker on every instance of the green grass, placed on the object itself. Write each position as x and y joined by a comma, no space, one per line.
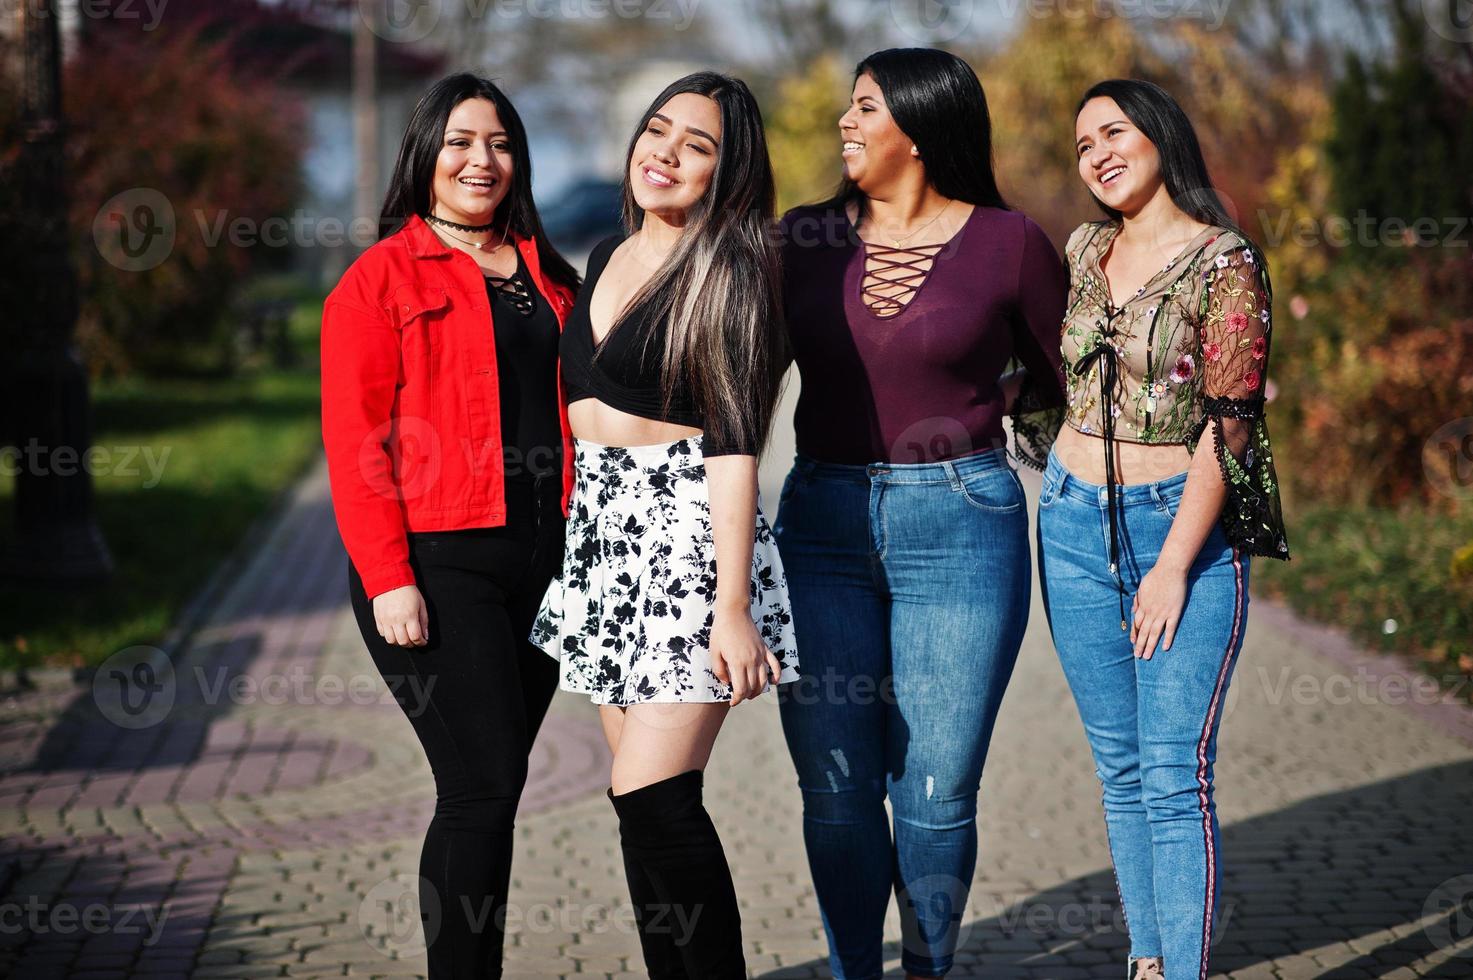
232,446
1359,568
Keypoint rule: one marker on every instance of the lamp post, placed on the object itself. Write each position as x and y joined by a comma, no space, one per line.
56,538
365,116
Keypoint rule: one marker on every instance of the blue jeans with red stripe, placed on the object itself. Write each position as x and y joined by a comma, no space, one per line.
1152,724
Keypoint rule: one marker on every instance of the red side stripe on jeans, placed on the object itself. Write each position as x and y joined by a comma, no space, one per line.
1222,673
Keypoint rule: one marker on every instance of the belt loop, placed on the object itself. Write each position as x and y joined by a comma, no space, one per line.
952,476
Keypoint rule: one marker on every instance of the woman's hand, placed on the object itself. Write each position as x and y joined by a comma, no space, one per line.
1011,385
402,617
738,655
1157,609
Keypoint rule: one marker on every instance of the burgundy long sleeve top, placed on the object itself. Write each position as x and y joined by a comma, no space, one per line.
919,383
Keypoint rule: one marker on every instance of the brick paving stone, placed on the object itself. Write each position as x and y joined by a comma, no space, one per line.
261,825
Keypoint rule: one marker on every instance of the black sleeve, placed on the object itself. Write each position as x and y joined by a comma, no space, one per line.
711,446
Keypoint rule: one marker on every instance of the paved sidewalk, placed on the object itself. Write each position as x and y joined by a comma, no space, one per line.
268,822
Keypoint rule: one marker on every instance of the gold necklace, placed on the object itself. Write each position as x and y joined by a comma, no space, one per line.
900,242
476,245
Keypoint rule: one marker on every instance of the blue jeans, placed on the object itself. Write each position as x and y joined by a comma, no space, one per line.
910,589
1152,724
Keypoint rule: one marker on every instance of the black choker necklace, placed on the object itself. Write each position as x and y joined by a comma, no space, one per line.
458,227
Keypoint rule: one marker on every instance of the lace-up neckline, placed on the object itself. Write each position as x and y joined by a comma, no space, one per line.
514,290
892,277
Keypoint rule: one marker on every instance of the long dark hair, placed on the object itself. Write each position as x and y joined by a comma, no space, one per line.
937,101
719,288
414,171
1161,119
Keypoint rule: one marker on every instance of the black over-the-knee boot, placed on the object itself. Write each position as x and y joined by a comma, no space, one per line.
679,882
661,957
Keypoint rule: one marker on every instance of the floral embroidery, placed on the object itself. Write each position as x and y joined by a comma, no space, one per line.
1184,369
1203,324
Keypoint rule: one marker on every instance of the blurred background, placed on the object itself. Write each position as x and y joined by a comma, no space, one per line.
182,181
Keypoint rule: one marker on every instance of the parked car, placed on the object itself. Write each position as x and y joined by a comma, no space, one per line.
580,216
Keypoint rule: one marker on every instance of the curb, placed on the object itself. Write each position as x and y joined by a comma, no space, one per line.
196,610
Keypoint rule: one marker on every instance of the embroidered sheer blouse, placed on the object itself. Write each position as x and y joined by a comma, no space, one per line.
1188,350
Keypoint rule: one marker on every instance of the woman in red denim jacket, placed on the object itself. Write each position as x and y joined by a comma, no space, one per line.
449,457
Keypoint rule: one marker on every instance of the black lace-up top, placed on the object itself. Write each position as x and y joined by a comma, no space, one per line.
526,332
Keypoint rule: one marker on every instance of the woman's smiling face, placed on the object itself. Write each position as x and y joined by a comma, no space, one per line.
675,157
475,166
1117,162
873,147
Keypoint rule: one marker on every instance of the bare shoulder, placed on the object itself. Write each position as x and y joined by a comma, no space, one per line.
630,263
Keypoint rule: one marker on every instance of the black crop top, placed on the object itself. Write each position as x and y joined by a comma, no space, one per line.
626,375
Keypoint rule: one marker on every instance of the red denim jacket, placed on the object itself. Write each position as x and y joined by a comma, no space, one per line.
411,418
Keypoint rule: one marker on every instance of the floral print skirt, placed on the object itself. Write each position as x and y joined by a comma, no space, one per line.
630,613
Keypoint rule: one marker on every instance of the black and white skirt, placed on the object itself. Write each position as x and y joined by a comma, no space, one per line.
630,613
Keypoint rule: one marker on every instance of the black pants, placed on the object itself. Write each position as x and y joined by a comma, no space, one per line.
475,694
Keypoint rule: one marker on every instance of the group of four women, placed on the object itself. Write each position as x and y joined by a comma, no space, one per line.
543,485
